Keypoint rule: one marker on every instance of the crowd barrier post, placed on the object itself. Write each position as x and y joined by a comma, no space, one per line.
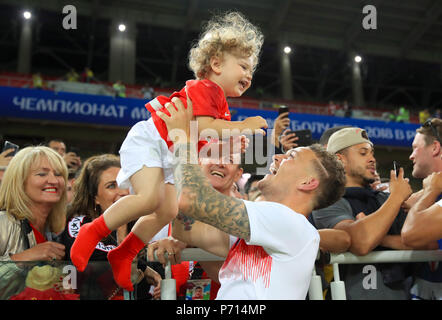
315,289
168,284
337,286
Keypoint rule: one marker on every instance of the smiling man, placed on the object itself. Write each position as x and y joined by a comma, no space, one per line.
271,250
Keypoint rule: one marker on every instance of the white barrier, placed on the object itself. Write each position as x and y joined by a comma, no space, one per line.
168,286
387,256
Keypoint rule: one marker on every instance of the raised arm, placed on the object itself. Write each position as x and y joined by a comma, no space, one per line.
368,232
206,125
424,220
197,198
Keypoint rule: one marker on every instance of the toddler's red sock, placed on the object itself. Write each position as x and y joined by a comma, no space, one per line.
88,237
121,259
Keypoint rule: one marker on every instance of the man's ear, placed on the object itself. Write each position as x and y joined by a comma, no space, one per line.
215,64
341,158
436,148
309,184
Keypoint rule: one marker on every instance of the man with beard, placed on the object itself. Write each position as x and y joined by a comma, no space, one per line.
373,219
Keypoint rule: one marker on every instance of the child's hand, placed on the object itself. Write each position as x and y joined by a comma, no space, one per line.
255,124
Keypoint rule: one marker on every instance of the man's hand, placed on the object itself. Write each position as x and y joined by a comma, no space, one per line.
167,245
178,124
72,160
399,185
5,158
433,182
287,140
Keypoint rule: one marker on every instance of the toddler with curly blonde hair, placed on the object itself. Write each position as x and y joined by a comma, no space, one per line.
223,61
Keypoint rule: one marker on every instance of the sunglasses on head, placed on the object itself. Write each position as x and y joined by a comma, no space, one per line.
429,124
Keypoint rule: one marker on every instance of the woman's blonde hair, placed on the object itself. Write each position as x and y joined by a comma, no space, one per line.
231,33
13,198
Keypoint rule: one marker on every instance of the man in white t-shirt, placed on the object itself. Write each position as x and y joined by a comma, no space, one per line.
272,247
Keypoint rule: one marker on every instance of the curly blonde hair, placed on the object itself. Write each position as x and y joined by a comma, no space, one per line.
231,33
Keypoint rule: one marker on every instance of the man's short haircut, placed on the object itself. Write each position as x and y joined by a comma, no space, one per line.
54,140
327,134
332,177
432,131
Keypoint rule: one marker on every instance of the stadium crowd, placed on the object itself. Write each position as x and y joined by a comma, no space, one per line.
57,207
33,197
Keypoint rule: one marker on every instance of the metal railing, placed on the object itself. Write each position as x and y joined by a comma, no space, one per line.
168,285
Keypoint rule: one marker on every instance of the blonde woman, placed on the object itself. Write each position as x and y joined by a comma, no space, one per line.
33,205
223,61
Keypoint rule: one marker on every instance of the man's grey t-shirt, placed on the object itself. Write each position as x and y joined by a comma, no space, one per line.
362,281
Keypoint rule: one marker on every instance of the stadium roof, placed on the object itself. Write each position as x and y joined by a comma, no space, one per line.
401,59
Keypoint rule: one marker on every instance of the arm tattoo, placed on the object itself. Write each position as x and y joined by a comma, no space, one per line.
186,221
202,202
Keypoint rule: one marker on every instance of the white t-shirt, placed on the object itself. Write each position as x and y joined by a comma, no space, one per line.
277,262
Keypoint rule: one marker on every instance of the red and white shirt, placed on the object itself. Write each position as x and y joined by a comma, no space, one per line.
277,262
207,97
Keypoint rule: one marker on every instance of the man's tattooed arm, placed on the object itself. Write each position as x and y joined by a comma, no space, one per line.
199,200
186,221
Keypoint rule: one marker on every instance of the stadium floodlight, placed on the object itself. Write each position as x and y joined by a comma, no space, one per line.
358,59
122,27
287,49
27,15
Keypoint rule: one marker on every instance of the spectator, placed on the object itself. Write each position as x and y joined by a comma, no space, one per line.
426,149
282,138
71,158
377,185
422,228
235,192
323,140
2,173
263,233
370,217
403,115
119,89
436,113
72,75
37,81
70,186
87,75
5,158
331,108
380,184
33,200
148,92
348,111
424,115
96,189
423,224
251,187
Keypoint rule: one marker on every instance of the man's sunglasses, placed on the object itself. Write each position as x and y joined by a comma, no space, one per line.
429,124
